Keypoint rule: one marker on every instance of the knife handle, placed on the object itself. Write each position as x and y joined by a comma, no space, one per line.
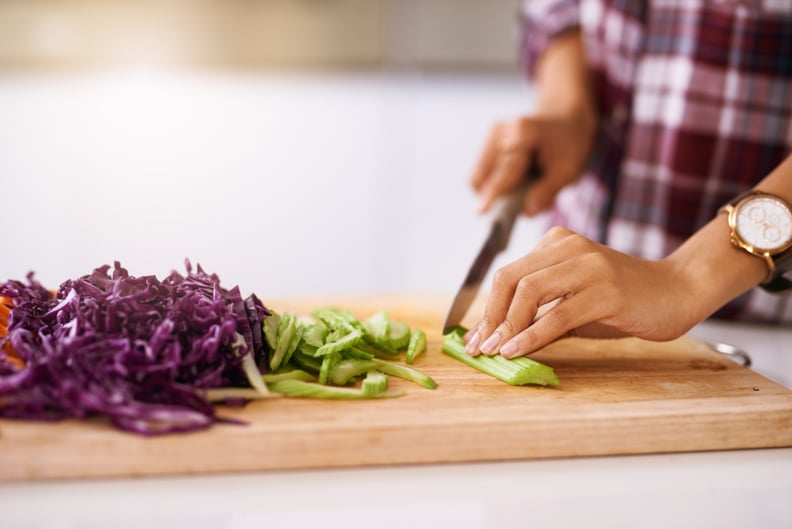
508,207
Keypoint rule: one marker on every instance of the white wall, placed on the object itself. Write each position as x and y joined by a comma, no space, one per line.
286,184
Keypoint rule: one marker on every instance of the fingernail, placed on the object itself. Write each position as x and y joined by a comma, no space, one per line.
508,350
490,343
472,345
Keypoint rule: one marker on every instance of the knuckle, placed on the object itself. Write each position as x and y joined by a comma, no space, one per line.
485,325
507,328
502,278
557,233
526,287
558,319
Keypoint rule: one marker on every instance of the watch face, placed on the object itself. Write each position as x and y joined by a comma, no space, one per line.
765,223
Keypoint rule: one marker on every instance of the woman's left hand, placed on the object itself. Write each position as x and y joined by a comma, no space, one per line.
584,289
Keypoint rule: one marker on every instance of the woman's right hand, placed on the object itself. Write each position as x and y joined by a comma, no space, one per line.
559,137
560,145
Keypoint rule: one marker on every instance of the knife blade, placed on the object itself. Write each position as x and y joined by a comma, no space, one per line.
505,212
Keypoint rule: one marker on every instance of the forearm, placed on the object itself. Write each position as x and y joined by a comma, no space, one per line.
715,271
562,82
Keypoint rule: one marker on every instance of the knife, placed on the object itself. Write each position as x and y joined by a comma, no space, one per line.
505,212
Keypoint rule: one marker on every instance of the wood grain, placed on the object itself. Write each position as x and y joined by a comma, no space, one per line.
616,397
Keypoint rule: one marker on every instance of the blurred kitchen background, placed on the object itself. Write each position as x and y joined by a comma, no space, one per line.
294,147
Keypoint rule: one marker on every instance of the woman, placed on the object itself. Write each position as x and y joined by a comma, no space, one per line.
650,118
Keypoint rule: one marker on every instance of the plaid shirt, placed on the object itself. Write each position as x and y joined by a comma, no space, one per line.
695,105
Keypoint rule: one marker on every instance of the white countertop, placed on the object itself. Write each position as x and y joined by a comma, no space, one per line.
728,489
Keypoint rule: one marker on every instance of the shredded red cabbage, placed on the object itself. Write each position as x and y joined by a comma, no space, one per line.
134,349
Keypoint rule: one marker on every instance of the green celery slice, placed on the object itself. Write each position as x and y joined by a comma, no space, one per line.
271,324
338,345
298,388
346,370
294,374
315,333
378,326
287,340
336,318
328,361
375,383
307,362
221,394
416,346
517,371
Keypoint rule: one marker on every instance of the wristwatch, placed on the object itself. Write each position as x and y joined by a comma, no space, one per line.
761,224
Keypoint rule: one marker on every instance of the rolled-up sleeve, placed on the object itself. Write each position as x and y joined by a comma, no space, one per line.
538,21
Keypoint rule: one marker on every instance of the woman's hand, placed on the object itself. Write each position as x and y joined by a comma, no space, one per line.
559,145
559,137
587,289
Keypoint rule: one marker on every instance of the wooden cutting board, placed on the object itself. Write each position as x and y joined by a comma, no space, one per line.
616,397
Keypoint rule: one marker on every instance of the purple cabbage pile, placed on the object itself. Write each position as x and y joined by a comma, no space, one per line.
134,349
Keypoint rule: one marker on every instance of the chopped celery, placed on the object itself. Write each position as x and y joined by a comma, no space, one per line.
345,370
336,348
298,388
336,318
253,374
222,394
375,383
383,331
271,324
517,372
380,350
306,362
328,361
355,352
416,346
314,334
378,326
294,374
288,337
307,349
345,342
399,335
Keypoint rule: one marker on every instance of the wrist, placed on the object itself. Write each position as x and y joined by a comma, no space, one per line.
711,271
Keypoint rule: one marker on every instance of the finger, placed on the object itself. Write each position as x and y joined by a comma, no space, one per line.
508,170
504,285
581,308
560,245
486,160
533,291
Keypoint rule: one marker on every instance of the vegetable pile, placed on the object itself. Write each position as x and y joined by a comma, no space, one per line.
131,348
152,355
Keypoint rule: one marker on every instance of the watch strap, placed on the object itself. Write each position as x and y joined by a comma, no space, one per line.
778,282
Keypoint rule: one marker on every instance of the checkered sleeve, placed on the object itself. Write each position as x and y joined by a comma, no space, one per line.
538,22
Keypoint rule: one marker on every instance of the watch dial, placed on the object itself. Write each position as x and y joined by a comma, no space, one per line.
765,223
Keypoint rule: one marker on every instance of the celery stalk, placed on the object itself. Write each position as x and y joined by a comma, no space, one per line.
517,372
375,383
346,370
294,374
298,388
416,346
